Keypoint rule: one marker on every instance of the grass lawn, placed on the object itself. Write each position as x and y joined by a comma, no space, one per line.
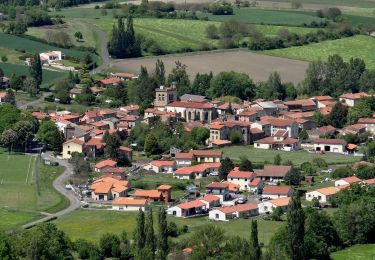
268,16
359,46
20,194
357,252
49,76
11,55
91,224
298,157
359,3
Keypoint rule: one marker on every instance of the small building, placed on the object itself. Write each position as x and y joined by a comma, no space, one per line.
125,153
324,195
165,95
128,204
50,57
161,166
73,146
256,185
74,92
278,142
369,123
184,159
220,189
207,156
196,171
151,195
109,188
273,173
241,178
347,181
188,209
233,212
275,192
323,145
267,207
210,200
351,99
103,165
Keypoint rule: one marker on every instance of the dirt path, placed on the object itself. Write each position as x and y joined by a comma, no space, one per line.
59,185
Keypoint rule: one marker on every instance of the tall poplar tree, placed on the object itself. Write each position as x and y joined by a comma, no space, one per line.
159,72
139,237
295,229
254,242
35,70
162,235
149,232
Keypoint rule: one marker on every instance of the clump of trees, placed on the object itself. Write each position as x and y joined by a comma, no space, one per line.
221,8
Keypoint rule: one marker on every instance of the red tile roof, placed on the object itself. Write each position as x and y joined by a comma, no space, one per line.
352,179
273,171
236,173
217,185
255,182
354,96
196,168
162,163
106,163
154,194
208,153
128,201
273,189
210,198
366,120
329,141
110,81
125,149
184,156
238,208
190,105
164,187
191,204
280,202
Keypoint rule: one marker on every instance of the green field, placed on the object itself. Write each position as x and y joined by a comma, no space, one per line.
359,46
298,157
91,224
358,3
21,200
357,252
268,16
48,75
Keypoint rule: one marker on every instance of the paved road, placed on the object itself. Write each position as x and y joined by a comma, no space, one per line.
103,48
59,185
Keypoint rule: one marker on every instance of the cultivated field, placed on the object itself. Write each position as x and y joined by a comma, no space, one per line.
359,46
21,199
354,3
257,66
91,224
48,75
299,157
357,252
268,16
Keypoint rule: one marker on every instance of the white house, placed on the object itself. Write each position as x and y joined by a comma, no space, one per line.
210,200
274,192
183,159
128,204
231,212
324,195
161,166
347,181
241,178
256,185
51,56
330,145
369,123
103,165
269,206
188,209
351,99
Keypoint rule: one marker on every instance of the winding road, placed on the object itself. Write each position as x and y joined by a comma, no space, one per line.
59,185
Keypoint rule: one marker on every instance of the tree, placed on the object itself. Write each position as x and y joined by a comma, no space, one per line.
87,60
200,134
232,84
151,144
61,90
78,36
35,70
319,119
125,246
201,83
149,232
6,249
277,214
159,72
15,82
162,235
9,115
245,164
361,109
113,142
303,135
139,234
225,167
86,249
30,85
50,135
272,88
109,245
338,115
10,98
180,77
277,159
207,242
293,177
1,73
295,229
212,32
254,243
8,138
236,137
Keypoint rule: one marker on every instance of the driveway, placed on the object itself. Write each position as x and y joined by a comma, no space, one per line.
59,185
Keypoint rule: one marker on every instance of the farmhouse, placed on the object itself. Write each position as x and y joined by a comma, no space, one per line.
49,57
273,173
323,145
324,195
231,212
188,209
128,204
274,192
109,188
347,181
241,178
161,166
269,206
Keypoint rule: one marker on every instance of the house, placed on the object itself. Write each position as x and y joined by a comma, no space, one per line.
150,195
277,124
327,130
123,75
369,123
74,92
161,166
73,146
94,147
248,116
355,129
233,188
188,209
274,192
207,156
165,95
103,165
302,105
184,159
324,195
273,173
220,189
351,99
47,58
232,212
263,126
267,207
210,200
196,171
109,188
166,191
269,107
223,130
347,181
256,185
128,204
241,178
125,154
323,145
3,97
112,81
279,141
192,111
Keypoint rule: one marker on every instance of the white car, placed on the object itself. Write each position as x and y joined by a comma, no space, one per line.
329,170
214,174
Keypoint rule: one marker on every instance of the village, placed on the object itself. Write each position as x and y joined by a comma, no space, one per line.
263,124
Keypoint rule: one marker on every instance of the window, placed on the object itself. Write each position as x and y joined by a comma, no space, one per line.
245,179
231,179
216,215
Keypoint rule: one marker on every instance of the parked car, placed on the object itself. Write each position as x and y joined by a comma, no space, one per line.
242,200
214,174
329,170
